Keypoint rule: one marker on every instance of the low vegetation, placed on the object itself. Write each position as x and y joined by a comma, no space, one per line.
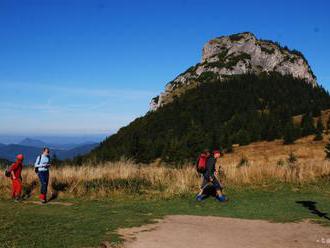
166,182
89,222
264,180
4,163
262,164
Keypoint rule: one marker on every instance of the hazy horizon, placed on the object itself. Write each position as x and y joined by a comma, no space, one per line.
59,139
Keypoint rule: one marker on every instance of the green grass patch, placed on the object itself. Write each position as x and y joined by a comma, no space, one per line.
88,222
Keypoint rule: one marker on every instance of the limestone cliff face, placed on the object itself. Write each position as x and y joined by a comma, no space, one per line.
233,55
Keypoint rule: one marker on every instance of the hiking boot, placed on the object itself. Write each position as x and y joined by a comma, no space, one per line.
42,198
199,198
221,198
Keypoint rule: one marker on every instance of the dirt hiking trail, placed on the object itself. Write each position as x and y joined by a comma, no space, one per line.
197,231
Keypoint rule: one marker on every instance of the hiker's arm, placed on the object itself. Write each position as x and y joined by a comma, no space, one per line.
216,170
46,163
13,175
37,164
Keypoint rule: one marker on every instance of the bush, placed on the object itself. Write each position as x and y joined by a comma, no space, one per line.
307,124
280,163
243,162
235,37
319,130
292,159
291,133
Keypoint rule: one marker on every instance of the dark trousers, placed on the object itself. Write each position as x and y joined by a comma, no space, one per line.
43,178
214,182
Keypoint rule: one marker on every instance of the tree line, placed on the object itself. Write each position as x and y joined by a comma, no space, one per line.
218,114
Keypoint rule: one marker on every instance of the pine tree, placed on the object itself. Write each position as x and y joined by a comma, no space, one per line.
307,125
319,130
243,137
290,133
227,143
316,111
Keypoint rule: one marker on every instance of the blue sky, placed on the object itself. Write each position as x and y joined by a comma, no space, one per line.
85,67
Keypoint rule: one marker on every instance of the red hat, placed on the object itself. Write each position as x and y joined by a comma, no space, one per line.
216,151
20,157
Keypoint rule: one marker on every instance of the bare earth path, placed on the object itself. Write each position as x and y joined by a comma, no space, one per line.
196,231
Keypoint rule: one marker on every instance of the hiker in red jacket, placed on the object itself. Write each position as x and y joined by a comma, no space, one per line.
16,177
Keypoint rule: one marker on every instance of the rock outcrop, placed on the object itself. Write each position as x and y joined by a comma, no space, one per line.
233,55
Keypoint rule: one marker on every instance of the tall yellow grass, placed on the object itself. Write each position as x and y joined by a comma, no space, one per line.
265,163
164,181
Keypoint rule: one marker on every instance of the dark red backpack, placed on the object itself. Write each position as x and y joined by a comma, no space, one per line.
201,163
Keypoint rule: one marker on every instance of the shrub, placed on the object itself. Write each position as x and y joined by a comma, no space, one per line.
280,163
207,76
292,160
291,133
267,50
319,130
235,37
243,162
307,124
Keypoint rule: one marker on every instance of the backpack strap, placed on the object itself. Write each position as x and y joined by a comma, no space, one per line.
39,159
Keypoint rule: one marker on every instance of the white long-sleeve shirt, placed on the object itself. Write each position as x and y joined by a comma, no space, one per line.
42,163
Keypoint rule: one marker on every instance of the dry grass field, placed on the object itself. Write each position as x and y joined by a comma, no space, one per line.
258,164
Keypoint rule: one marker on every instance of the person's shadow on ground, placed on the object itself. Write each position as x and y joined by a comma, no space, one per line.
311,206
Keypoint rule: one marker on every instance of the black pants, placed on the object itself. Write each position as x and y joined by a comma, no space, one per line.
214,182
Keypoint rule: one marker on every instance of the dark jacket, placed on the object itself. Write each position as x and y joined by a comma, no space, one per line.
210,168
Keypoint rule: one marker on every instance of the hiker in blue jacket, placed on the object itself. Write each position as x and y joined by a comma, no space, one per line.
42,165
210,179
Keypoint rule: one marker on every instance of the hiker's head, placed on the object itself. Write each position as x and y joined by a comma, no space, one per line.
216,154
46,151
206,152
20,158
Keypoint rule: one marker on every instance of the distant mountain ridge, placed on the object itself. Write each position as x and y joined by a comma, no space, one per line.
32,142
41,144
10,151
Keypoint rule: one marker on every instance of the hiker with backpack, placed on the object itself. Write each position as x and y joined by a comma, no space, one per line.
15,173
201,163
41,166
209,173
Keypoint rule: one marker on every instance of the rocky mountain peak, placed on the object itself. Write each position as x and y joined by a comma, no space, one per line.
237,54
